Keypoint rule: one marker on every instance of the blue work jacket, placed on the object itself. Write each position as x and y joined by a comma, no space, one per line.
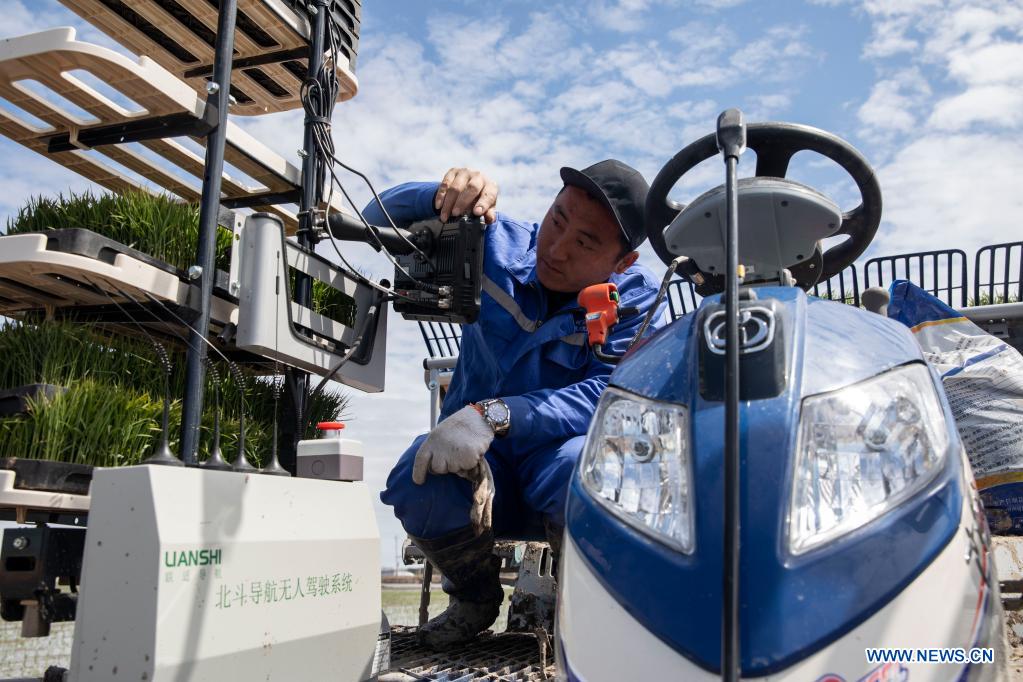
539,364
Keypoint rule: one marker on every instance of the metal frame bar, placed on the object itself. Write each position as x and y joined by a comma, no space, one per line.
297,384
219,97
154,128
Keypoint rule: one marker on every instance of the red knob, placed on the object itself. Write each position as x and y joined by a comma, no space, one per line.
330,426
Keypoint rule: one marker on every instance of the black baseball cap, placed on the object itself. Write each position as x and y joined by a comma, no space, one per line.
621,188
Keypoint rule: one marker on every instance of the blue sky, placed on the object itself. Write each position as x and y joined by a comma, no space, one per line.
931,91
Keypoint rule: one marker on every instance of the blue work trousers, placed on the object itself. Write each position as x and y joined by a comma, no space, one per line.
529,488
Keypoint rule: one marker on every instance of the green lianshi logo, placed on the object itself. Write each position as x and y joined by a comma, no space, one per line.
192,557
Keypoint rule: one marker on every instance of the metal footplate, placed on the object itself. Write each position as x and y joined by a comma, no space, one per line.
507,657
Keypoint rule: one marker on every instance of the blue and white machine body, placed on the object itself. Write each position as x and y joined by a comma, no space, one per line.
860,524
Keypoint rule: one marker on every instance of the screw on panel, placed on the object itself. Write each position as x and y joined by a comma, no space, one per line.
194,272
212,87
20,542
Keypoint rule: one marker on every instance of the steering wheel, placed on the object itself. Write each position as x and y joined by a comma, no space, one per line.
775,144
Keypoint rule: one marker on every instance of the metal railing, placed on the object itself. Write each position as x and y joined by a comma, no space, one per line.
942,273
997,273
682,298
442,339
843,287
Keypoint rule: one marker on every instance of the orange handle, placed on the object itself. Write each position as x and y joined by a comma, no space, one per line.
600,301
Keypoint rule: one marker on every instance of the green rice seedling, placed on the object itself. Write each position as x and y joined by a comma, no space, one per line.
328,301
158,225
109,414
986,299
86,424
60,353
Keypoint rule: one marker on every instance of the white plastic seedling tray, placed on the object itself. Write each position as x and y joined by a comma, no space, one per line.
50,57
180,35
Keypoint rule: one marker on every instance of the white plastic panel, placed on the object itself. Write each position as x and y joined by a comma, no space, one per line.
780,223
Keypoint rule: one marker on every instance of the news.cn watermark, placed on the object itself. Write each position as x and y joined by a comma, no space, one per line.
890,662
946,655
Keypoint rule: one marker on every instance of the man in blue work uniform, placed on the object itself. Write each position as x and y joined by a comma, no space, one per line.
525,386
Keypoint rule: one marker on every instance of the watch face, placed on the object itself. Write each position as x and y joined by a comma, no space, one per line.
497,412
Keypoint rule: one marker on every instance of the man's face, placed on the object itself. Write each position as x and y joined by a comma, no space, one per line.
579,243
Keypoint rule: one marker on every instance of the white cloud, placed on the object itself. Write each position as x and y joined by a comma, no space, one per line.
780,54
997,63
621,15
719,4
767,107
998,106
963,193
894,104
951,91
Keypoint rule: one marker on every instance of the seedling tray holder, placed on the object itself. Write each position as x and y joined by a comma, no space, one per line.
271,44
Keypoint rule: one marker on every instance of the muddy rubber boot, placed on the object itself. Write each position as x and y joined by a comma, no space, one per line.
555,533
471,580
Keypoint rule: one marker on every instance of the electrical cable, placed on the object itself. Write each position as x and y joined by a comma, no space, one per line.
318,94
425,286
657,301
367,322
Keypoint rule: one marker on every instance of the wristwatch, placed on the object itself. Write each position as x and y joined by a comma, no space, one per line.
496,413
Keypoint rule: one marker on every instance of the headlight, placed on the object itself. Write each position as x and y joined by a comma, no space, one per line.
637,465
862,450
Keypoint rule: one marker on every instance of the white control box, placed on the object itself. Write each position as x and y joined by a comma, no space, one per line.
330,457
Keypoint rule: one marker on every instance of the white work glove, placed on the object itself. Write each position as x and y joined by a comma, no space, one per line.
457,446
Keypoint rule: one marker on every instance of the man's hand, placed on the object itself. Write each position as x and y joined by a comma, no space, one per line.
455,446
464,190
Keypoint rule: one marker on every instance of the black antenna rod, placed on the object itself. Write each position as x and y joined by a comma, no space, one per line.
163,454
240,462
274,467
216,459
731,140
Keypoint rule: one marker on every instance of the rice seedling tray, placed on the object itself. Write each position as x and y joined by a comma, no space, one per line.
83,242
270,48
43,475
15,401
35,276
37,489
44,74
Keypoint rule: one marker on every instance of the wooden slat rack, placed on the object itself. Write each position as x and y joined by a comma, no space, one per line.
270,46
